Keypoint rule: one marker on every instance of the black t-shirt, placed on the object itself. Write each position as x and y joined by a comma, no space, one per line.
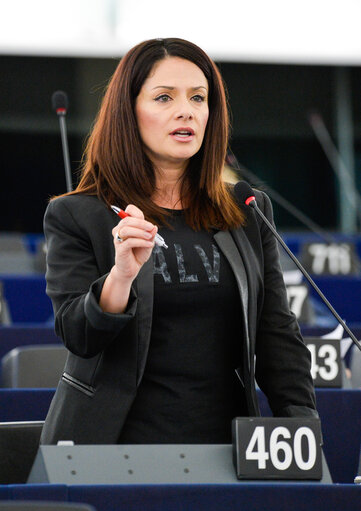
190,392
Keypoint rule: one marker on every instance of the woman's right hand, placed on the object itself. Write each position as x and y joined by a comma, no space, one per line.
131,253
137,235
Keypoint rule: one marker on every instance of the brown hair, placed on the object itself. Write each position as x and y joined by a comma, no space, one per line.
115,166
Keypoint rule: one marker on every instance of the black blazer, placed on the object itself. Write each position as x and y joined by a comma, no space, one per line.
108,352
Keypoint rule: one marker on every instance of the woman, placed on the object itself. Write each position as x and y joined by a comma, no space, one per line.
163,342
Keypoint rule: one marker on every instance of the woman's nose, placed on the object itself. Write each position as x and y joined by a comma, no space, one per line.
184,115
184,110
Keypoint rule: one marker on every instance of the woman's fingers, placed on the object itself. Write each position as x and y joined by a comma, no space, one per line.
135,223
134,228
126,231
133,241
133,211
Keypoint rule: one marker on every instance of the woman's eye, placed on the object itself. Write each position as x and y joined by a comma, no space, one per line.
163,98
198,98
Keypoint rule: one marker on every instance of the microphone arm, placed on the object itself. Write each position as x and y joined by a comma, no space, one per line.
304,219
59,102
64,142
251,201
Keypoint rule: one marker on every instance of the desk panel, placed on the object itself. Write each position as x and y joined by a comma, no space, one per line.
238,497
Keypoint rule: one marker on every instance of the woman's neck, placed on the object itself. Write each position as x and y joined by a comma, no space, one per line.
168,188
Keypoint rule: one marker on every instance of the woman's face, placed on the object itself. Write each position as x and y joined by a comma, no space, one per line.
172,111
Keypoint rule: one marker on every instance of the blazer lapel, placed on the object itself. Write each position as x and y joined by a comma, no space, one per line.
236,248
230,251
250,262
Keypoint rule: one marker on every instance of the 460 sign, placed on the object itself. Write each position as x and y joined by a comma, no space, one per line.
277,448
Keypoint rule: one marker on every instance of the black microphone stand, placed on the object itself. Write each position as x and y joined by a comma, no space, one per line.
64,142
253,204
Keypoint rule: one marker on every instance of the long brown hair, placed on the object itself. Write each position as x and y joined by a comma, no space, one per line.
115,166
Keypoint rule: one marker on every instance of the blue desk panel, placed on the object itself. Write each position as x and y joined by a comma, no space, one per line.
53,492
24,404
242,496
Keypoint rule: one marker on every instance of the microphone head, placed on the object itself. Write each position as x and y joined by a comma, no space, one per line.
244,193
59,101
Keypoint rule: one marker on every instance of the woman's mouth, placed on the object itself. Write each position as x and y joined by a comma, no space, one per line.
183,134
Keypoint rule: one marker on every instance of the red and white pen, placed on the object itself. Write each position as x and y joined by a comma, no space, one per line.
122,214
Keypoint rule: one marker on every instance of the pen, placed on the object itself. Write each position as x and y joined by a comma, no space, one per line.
122,214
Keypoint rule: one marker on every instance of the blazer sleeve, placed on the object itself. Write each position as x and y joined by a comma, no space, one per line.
74,284
283,362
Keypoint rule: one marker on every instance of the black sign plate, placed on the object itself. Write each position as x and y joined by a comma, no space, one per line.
326,365
277,448
330,258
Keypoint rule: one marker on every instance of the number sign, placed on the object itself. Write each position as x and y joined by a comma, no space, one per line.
330,258
299,302
326,366
277,448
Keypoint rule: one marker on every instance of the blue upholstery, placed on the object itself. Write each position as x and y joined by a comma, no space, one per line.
28,302
14,336
26,298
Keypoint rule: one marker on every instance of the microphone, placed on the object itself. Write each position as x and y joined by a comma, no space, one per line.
246,196
59,102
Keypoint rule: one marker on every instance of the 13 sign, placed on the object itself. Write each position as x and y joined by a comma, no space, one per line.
277,448
326,365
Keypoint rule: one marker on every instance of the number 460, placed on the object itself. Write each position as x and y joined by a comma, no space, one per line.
256,449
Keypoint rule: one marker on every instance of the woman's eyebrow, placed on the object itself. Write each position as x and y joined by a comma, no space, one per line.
172,88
